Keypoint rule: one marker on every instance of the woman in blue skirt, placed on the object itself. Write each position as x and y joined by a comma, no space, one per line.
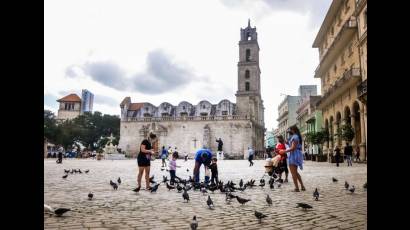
295,158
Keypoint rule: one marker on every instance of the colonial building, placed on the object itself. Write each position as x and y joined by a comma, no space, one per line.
341,73
70,107
190,126
309,120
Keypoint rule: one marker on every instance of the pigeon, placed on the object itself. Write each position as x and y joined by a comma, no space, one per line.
90,196
262,181
164,179
155,188
151,180
316,194
346,185
79,170
352,189
203,190
66,171
86,171
119,180
137,189
212,188
111,183
242,200
185,196
279,185
260,215
48,208
365,185
187,170
334,179
65,176
272,186
194,223
169,187
268,200
241,183
162,169
179,188
262,185
274,176
61,211
72,171
114,186
209,202
304,206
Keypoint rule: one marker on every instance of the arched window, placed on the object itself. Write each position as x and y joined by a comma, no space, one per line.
247,74
248,54
247,86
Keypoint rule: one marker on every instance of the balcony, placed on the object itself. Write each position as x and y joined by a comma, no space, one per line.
348,79
186,118
286,112
342,38
362,91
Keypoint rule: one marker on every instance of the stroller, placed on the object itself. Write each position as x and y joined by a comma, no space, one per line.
274,166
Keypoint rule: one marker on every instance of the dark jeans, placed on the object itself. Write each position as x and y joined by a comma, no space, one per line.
337,158
250,160
172,173
214,178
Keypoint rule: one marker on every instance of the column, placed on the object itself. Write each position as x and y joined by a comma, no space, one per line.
363,135
353,123
365,128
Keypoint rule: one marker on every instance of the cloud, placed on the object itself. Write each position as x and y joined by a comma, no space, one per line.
104,100
160,75
316,9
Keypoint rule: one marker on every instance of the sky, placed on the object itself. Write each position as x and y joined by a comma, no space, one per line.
171,51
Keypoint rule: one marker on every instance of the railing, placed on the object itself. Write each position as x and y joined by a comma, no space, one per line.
362,88
186,118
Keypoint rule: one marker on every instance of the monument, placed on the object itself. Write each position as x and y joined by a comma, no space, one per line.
110,150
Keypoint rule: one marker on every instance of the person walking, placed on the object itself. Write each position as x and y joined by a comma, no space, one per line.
348,151
220,151
251,153
295,157
164,155
337,155
357,153
144,159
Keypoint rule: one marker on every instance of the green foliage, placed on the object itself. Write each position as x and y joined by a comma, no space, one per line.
347,132
87,129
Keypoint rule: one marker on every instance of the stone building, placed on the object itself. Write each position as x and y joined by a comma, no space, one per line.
190,126
70,107
341,70
309,119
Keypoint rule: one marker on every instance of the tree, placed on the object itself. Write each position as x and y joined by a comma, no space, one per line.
347,132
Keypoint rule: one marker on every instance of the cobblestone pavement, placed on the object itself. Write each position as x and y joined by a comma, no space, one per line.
124,209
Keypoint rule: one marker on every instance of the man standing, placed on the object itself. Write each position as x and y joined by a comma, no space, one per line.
348,151
251,153
220,151
337,155
60,155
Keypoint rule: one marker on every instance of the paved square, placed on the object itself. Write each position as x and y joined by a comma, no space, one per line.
124,209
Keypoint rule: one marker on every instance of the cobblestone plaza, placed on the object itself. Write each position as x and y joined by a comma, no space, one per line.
125,209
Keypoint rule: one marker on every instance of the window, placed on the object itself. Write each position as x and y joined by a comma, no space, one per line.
247,74
224,113
183,114
183,107
248,54
247,86
203,106
248,36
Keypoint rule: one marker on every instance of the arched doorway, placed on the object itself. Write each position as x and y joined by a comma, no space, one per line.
347,118
338,126
357,127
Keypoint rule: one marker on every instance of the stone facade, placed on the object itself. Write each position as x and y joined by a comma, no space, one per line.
70,107
309,120
341,72
189,127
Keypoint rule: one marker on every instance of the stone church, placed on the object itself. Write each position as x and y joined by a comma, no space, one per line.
191,126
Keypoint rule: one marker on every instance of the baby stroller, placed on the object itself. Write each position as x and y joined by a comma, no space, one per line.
274,166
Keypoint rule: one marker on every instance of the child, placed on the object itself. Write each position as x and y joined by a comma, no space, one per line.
214,171
172,167
282,146
164,155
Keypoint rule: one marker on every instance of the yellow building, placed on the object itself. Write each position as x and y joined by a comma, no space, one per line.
341,73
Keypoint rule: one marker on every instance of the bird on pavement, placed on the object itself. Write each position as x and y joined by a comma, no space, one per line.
187,170
48,208
212,188
260,215
346,185
262,185
162,169
262,181
169,187
242,200
86,171
365,185
119,180
316,194
203,190
65,176
194,223
334,179
137,189
155,188
352,189
268,200
279,185
111,183
209,202
241,183
272,186
90,196
61,211
164,179
114,186
66,171
179,188
79,170
151,180
304,206
185,196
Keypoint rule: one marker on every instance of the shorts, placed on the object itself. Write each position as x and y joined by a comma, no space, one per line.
143,161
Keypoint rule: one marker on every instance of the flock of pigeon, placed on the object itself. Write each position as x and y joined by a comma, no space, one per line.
185,185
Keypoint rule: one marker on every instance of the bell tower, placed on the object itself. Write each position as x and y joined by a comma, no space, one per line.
248,96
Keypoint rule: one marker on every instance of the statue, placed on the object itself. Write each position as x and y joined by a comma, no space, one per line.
110,150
